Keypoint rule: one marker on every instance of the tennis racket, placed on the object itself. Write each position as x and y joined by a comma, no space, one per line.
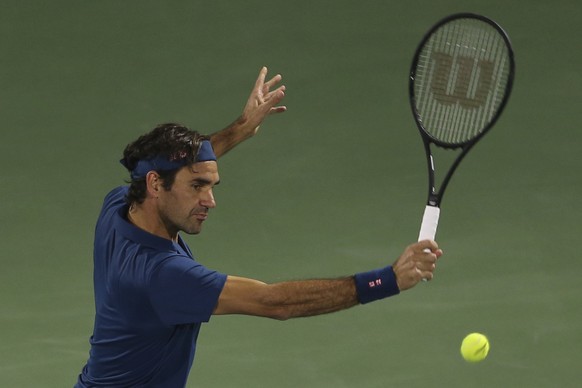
460,80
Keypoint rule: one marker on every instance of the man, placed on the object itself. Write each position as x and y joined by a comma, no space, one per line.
151,295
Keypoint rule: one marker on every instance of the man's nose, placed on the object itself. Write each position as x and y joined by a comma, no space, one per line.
207,200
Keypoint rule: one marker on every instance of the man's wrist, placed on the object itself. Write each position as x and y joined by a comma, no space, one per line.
377,284
229,137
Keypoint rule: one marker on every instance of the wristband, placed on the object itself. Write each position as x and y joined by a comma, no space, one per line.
376,284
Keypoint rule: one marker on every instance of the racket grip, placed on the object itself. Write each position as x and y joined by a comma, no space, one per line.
430,222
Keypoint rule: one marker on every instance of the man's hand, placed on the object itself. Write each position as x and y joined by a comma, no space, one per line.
417,262
261,103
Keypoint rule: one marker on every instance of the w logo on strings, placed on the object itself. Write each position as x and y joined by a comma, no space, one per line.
461,80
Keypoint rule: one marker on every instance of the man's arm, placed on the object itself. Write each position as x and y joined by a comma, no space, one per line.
314,297
287,299
262,102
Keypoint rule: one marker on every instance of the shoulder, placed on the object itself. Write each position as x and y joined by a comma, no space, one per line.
114,203
115,198
182,290
117,195
175,262
170,267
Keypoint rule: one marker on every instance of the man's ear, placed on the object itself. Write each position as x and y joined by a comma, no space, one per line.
154,184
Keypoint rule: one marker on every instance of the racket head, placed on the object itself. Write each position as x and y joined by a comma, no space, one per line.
460,79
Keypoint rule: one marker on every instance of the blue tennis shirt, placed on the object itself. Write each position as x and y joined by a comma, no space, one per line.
151,297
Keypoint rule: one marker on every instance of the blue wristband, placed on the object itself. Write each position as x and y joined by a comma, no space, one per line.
376,284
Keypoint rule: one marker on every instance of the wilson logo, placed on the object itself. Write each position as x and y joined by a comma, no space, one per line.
461,80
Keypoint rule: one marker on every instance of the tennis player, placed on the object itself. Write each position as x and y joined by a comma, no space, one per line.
151,295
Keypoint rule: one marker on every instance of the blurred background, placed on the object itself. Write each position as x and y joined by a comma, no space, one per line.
334,186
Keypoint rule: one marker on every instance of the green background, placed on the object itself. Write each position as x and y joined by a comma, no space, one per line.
334,186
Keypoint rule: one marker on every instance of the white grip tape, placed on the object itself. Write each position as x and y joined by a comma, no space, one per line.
430,221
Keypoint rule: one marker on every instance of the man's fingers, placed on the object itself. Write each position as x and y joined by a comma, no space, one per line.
272,82
263,86
427,262
417,263
276,95
426,244
261,78
278,109
280,91
423,275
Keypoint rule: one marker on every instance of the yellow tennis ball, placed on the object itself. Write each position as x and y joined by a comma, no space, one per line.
475,347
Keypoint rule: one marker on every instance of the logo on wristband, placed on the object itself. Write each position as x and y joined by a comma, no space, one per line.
374,283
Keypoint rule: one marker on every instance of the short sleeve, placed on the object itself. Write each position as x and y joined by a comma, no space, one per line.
183,291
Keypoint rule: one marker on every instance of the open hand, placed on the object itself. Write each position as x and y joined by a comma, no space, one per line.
262,102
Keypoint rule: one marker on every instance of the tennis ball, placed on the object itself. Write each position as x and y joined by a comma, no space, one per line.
475,347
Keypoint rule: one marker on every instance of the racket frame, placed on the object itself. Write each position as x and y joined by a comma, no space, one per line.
435,196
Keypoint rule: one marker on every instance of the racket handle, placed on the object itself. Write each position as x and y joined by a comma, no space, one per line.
430,221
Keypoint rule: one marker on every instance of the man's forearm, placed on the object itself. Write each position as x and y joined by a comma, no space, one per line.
312,297
229,137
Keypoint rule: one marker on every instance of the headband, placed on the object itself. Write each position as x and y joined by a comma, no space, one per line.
161,163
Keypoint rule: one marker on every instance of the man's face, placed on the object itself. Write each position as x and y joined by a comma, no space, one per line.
185,206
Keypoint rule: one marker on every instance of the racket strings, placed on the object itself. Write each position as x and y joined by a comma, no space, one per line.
460,78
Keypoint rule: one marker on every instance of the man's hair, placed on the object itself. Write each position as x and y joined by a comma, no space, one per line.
170,140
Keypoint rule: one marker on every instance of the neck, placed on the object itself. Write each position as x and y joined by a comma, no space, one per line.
139,216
